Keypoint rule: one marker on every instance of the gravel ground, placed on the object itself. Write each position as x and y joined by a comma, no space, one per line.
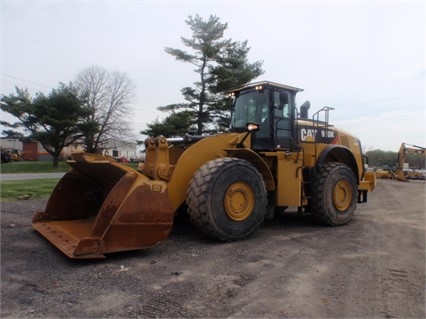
372,267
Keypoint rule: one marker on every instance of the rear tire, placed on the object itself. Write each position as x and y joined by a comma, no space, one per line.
227,199
334,195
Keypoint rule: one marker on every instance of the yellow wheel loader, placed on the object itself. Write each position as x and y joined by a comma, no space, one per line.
272,157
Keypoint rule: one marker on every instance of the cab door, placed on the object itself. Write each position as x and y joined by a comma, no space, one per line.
283,117
275,113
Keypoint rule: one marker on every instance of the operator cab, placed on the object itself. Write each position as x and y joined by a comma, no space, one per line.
272,107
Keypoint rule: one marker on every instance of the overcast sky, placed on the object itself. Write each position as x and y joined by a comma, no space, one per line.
365,59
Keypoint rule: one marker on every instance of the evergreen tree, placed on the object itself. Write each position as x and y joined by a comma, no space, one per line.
54,120
176,124
221,64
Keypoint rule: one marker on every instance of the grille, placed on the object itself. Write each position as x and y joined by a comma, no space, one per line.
344,139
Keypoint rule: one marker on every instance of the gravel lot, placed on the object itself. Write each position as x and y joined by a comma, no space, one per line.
372,267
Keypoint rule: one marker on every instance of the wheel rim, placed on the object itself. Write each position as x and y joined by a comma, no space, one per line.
342,195
239,201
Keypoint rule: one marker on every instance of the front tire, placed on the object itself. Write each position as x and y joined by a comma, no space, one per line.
227,199
334,194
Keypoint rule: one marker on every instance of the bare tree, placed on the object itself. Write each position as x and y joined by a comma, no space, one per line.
108,95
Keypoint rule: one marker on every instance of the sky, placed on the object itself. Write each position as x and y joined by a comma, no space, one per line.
366,59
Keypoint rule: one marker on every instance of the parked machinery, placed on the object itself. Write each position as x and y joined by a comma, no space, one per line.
272,157
402,175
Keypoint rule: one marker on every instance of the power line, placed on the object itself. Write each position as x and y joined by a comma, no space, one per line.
28,81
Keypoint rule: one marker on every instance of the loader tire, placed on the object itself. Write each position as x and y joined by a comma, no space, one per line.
227,199
334,195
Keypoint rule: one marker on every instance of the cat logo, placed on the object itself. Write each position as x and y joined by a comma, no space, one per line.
312,135
307,134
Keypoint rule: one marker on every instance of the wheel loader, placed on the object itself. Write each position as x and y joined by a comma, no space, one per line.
273,157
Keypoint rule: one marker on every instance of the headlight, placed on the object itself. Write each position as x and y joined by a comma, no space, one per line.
251,127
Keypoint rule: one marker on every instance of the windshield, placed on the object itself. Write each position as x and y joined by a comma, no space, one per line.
250,107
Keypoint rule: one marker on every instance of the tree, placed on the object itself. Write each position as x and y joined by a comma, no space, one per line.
233,69
382,158
107,96
221,64
54,120
11,133
386,159
176,124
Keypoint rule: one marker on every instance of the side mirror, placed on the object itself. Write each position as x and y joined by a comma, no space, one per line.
251,127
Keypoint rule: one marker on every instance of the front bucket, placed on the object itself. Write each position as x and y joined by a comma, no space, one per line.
101,206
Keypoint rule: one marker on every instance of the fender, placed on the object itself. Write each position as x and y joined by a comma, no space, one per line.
257,161
341,154
192,159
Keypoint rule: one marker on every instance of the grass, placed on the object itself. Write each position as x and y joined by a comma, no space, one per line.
32,167
31,189
38,167
34,189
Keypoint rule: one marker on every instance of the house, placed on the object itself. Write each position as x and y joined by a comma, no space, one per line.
121,150
11,143
34,151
